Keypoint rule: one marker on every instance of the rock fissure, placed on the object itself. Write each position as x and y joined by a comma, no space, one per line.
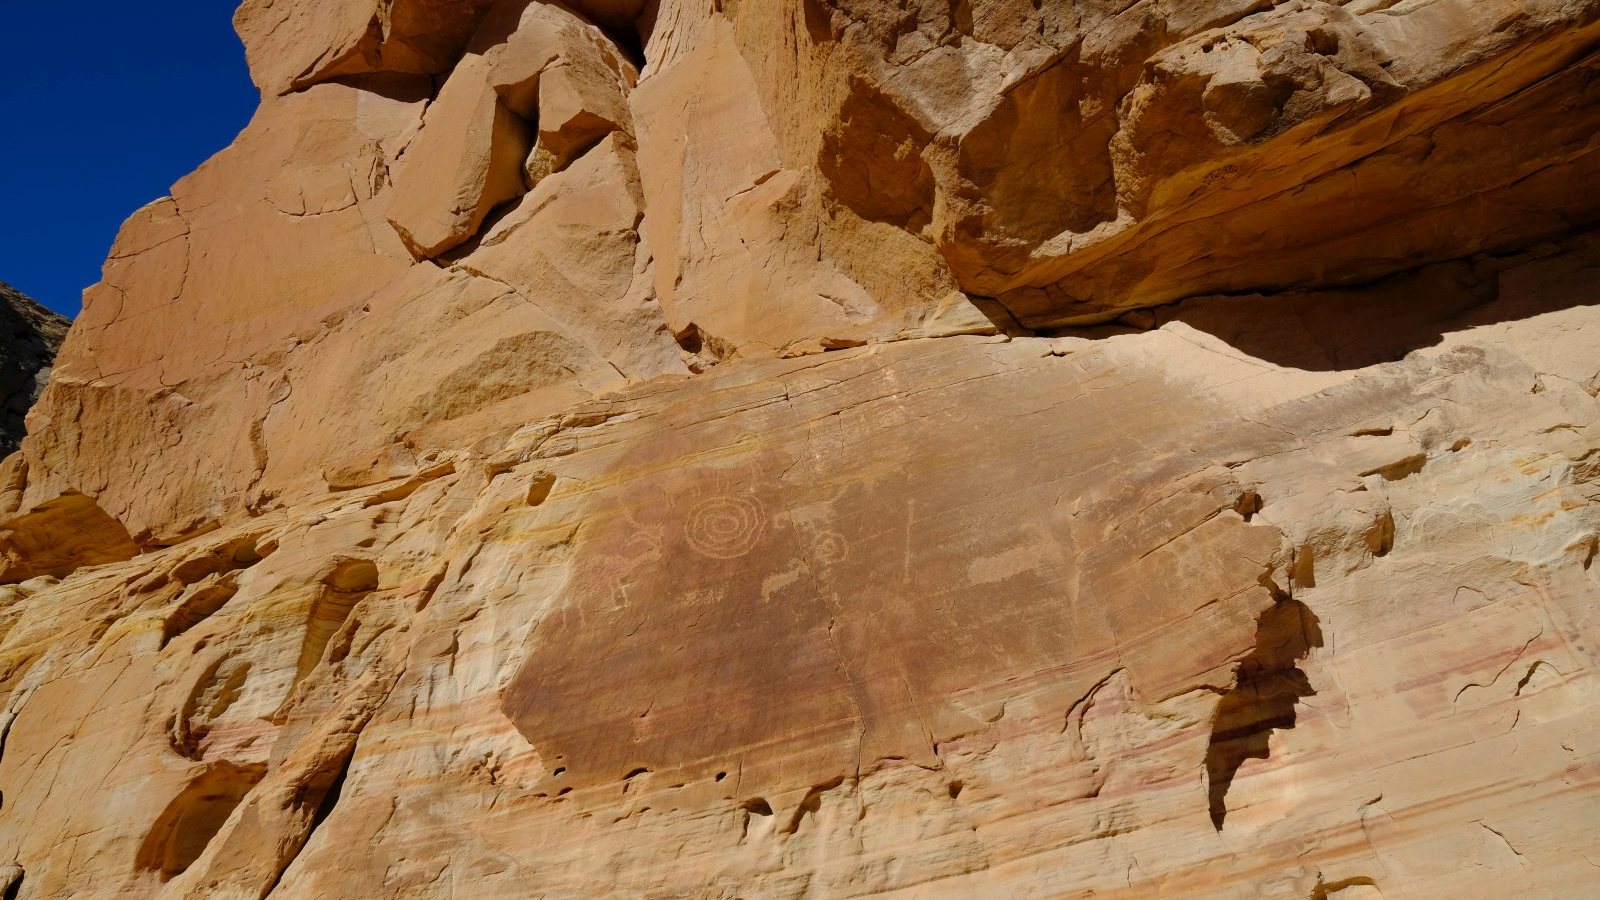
1267,687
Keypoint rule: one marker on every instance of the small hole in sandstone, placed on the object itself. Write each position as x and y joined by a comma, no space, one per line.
1381,538
635,773
689,339
1248,504
1324,43
560,771
1461,445
1400,469
563,792
353,576
246,553
539,490
955,789
721,775
758,806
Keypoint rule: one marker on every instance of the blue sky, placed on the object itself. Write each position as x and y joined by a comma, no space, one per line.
104,106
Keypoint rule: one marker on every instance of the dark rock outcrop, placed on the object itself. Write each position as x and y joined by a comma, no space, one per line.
31,337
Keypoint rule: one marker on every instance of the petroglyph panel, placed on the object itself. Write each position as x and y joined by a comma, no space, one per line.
802,599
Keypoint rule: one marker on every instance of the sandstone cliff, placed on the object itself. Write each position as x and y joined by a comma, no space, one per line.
833,448
32,335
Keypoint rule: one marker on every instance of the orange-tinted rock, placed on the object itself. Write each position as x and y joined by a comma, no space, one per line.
564,74
965,616
293,44
805,172
540,88
466,160
1382,138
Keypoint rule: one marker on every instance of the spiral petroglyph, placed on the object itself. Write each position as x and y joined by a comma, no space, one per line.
725,527
830,548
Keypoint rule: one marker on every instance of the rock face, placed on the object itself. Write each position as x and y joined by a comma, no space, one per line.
33,334
833,448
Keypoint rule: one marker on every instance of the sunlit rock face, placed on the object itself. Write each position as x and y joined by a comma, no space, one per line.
833,448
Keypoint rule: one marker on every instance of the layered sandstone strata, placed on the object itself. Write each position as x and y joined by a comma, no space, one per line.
833,448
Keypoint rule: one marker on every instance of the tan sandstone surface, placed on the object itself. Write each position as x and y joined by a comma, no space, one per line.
833,448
